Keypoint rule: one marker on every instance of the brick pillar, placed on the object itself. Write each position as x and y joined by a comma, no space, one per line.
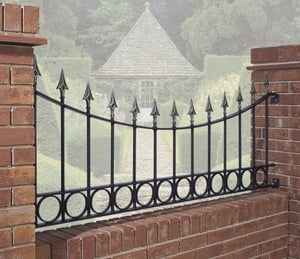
18,28
283,67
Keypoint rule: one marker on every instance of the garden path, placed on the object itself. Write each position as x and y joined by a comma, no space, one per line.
144,166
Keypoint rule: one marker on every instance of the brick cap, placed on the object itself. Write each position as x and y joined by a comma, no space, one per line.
122,237
23,40
274,66
275,54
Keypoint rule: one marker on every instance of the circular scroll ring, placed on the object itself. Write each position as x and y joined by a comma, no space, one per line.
58,212
84,207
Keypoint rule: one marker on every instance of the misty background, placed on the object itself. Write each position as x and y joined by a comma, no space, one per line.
214,36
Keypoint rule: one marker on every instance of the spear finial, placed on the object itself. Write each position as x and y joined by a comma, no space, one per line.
224,102
112,104
36,69
147,6
62,85
88,96
192,111
209,108
174,113
135,109
154,113
239,97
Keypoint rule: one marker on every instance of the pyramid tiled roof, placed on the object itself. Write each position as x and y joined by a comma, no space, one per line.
147,51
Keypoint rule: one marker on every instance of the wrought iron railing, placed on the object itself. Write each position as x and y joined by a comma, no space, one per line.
258,173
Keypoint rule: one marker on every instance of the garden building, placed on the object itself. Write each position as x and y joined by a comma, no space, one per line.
147,63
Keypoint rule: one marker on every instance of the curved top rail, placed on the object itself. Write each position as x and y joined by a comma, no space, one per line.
229,116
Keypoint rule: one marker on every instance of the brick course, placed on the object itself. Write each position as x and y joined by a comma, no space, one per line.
257,225
283,67
258,235
18,28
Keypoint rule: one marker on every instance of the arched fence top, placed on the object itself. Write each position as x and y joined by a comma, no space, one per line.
199,185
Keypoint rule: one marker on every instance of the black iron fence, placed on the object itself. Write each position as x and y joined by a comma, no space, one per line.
200,184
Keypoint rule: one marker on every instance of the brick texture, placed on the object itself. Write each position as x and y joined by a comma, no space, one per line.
19,26
257,225
149,236
283,67
12,18
31,19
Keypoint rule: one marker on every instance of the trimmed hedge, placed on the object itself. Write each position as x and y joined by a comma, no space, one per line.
216,66
75,68
100,149
200,149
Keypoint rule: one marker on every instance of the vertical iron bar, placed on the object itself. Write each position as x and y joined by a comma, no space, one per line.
174,114
155,113
112,105
62,87
209,155
239,99
192,113
62,154
35,144
253,146
225,106
240,146
192,161
155,163
134,164
174,163
225,152
112,163
267,139
135,110
209,110
88,164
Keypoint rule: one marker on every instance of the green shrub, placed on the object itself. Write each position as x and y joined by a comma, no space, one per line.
100,149
216,66
48,177
200,150
75,68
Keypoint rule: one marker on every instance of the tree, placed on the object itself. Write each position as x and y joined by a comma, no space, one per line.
109,23
234,26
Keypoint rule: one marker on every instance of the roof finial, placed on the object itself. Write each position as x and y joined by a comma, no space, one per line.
147,6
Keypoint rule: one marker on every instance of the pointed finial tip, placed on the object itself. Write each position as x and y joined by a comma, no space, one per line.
224,104
88,96
239,98
147,5
62,85
154,111
135,107
36,69
112,103
209,107
192,110
174,111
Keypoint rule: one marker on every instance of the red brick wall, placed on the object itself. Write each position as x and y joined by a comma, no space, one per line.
18,26
242,227
246,226
283,67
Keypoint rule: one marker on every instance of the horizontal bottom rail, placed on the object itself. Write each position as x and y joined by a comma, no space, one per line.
84,203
